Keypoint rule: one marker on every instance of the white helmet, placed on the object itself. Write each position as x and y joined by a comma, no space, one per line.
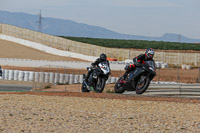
149,53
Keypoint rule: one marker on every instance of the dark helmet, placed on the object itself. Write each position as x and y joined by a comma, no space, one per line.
149,53
103,57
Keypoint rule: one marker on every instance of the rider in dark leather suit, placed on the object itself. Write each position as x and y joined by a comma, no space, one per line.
139,60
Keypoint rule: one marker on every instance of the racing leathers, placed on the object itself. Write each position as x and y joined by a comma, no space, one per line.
137,61
1,72
97,61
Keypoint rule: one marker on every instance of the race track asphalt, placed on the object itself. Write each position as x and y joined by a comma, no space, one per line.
13,87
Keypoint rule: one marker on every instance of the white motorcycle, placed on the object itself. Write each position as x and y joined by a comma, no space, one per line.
97,79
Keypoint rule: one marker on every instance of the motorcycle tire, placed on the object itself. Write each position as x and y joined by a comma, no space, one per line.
117,88
101,86
83,88
143,89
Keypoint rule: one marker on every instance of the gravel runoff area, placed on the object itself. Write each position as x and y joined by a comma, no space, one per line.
92,112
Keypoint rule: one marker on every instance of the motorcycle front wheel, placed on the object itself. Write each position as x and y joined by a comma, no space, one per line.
142,86
84,88
100,85
118,86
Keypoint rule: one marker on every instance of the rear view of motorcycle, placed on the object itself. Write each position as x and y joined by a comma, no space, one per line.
137,80
97,79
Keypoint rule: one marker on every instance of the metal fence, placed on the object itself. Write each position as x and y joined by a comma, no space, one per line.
59,78
178,58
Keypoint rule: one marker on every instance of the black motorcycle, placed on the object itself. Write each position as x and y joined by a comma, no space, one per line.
137,80
97,79
1,73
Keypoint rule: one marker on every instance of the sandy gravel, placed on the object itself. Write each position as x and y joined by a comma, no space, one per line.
43,113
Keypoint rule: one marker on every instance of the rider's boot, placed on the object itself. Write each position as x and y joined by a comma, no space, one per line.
86,78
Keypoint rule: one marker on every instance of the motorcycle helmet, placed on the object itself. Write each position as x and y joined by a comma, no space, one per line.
149,53
103,57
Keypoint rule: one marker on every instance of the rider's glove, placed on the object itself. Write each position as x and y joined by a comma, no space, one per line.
126,67
92,64
138,64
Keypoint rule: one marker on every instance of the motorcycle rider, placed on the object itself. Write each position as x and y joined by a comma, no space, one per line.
103,57
139,60
1,72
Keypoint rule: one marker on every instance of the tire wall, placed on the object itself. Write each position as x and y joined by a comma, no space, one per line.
46,77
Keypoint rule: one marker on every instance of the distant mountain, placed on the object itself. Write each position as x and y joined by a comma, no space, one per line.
61,27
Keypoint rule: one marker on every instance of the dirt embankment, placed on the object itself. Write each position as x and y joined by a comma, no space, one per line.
14,50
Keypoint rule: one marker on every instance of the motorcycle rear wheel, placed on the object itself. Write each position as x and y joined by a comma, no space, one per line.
119,87
143,88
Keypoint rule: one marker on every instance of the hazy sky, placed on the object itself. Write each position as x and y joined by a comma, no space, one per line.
138,17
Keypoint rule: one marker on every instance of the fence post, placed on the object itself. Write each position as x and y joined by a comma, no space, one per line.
129,54
65,78
195,59
158,75
34,86
1,28
199,76
178,74
162,60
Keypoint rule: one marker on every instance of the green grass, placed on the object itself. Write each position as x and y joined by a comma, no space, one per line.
138,44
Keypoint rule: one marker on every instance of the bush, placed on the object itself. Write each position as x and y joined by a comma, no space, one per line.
137,44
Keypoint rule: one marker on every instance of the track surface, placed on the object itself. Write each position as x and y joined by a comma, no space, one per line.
189,94
8,87
109,96
172,90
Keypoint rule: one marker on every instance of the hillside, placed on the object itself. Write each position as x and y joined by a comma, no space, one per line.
62,27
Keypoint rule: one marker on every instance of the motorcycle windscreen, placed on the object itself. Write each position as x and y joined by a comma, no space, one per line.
104,67
151,63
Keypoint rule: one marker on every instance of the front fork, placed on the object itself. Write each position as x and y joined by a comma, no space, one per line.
141,80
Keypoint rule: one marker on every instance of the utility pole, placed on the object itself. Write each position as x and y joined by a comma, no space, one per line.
39,21
179,38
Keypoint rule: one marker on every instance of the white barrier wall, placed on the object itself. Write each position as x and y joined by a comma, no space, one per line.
6,74
31,75
36,75
61,79
51,77
21,76
16,72
47,49
10,74
8,32
46,77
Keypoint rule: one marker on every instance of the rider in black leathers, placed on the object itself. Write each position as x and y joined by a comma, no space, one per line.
1,71
139,60
103,57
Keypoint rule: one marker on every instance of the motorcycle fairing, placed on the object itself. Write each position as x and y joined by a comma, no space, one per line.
134,74
104,67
